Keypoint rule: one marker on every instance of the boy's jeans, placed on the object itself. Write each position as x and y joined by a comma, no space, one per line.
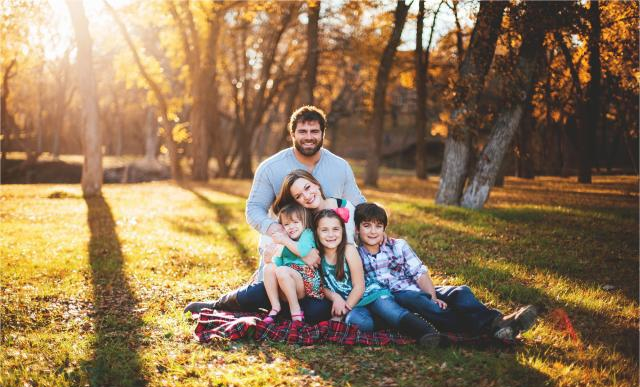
384,307
464,313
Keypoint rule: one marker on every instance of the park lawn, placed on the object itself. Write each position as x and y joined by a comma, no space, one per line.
92,290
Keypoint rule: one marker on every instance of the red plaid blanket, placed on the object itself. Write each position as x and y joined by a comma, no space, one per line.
235,326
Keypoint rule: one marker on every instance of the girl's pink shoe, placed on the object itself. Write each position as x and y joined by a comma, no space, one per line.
297,316
270,319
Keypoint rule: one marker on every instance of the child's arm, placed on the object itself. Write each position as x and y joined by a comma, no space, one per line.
414,268
304,247
283,239
426,285
357,276
337,303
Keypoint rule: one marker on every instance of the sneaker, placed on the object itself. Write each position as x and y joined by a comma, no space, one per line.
196,307
430,340
505,333
524,319
511,325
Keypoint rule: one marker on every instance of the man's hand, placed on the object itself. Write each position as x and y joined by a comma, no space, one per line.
274,228
312,259
270,251
440,303
280,237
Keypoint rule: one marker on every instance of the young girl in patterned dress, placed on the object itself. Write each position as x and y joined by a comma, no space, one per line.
285,270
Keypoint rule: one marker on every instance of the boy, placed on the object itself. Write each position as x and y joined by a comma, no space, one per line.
449,308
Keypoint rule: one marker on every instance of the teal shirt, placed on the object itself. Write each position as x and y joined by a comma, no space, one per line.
372,289
305,243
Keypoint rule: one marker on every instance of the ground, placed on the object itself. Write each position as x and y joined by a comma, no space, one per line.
92,290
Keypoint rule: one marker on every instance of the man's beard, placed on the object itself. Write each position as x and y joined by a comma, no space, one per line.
308,152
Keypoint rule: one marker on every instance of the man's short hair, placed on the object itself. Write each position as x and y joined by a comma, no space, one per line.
306,114
370,212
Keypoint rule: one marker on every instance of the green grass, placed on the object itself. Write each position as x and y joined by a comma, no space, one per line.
92,290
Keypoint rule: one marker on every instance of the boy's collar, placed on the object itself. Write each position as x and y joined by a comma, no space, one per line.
364,248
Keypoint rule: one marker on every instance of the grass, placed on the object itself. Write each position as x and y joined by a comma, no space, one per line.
92,290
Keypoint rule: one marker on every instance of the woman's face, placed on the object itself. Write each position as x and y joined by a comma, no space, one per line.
329,232
306,193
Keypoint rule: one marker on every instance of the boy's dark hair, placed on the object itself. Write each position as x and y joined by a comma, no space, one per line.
291,209
306,114
367,212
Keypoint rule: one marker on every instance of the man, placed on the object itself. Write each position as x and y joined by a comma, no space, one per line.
307,128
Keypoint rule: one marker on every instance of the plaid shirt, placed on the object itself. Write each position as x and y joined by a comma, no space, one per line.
396,265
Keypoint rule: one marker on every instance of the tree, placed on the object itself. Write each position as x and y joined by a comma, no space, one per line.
538,19
176,172
92,166
379,98
312,49
202,64
593,97
256,80
474,68
422,66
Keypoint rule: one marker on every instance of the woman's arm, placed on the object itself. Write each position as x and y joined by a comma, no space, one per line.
357,276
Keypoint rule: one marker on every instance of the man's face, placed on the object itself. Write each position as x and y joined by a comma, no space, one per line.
307,137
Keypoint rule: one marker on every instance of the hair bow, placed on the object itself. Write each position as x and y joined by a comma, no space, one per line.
343,213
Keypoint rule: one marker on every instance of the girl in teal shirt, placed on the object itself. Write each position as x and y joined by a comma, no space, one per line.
346,288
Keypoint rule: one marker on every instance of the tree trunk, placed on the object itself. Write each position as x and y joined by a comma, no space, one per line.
151,137
312,50
92,166
593,109
254,110
7,122
524,77
167,126
475,65
422,68
459,40
524,161
382,78
421,102
202,69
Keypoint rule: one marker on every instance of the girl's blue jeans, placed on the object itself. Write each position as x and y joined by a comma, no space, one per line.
385,308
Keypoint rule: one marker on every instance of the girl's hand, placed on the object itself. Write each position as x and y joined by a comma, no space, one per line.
440,303
312,259
339,307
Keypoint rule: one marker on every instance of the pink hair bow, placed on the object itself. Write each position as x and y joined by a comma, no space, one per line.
343,213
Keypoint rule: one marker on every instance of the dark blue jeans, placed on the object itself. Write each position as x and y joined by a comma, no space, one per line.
464,313
253,297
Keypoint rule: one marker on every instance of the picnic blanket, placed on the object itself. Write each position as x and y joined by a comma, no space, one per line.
213,324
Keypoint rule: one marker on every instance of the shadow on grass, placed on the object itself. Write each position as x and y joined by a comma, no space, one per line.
597,326
116,361
225,218
582,247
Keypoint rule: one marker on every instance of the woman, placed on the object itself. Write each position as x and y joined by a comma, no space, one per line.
301,187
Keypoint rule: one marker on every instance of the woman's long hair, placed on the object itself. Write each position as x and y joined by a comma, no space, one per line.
341,247
284,197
